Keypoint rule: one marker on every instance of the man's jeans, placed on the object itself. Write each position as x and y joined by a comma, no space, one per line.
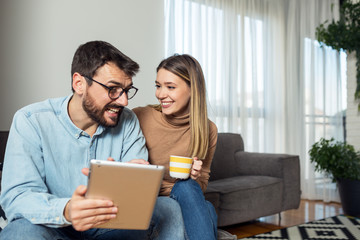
199,215
166,223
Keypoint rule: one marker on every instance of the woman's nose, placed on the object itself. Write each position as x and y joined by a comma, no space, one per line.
161,93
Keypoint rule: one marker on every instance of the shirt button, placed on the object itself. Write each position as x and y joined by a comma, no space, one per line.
57,219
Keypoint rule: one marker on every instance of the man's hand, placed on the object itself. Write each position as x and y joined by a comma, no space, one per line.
196,169
88,213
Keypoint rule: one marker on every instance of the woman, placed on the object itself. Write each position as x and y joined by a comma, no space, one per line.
179,126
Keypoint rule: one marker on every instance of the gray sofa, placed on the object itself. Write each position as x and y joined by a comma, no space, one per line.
244,186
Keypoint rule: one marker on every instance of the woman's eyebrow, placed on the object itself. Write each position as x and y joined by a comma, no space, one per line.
170,83
166,83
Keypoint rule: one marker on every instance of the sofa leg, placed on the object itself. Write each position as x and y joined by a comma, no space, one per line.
279,218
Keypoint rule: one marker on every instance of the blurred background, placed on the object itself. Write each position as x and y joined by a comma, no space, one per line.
39,38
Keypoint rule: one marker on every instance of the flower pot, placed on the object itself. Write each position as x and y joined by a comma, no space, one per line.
349,191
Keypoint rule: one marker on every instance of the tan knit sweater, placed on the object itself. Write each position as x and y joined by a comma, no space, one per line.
167,136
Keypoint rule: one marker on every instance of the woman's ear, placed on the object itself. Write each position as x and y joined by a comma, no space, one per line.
78,83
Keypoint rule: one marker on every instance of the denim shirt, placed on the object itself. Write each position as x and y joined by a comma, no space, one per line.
45,153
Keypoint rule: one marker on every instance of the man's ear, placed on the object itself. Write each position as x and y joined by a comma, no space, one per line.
78,83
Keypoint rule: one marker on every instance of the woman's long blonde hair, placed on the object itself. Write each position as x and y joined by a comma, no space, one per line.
189,69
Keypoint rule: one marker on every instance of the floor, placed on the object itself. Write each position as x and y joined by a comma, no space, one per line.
308,210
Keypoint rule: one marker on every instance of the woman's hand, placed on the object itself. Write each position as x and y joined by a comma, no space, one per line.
196,169
138,161
85,171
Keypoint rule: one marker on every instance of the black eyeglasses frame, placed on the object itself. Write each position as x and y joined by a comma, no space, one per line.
112,89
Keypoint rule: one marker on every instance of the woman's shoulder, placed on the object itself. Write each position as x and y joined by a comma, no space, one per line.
140,110
213,132
143,111
212,127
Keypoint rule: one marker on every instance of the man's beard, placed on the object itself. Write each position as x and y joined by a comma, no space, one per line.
97,114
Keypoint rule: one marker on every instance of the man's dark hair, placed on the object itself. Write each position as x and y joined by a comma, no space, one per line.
95,54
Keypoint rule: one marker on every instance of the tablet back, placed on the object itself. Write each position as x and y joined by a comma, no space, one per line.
133,188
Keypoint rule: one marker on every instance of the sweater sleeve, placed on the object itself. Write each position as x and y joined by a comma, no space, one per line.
205,171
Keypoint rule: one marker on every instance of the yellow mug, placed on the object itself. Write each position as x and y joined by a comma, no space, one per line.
180,166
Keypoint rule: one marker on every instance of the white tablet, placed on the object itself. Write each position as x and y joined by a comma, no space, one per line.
132,187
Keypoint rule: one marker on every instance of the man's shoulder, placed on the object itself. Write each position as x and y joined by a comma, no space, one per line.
127,113
128,121
127,118
48,105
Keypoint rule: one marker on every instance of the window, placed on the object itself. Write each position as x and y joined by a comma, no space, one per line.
267,78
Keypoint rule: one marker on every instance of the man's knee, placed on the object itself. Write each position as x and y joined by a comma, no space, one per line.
167,208
167,222
21,228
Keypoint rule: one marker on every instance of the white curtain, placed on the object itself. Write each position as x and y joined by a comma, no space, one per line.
267,78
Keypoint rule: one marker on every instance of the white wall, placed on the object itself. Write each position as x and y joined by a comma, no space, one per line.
39,37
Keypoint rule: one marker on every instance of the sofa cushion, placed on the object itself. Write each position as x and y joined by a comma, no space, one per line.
244,192
241,183
247,197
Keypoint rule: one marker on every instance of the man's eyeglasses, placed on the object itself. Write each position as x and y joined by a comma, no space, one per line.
116,92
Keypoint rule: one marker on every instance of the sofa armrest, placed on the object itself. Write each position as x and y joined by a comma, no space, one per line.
284,166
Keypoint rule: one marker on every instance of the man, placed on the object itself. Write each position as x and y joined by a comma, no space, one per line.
51,142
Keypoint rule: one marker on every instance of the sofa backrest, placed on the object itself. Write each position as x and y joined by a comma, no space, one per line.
3,140
223,164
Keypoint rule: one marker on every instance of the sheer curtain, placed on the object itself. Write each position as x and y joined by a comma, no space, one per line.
267,78
315,92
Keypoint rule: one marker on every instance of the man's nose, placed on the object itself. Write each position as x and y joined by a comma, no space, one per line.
123,100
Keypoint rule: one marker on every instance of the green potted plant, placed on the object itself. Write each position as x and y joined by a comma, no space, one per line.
340,162
344,34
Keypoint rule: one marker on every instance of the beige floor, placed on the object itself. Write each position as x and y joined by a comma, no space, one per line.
308,211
